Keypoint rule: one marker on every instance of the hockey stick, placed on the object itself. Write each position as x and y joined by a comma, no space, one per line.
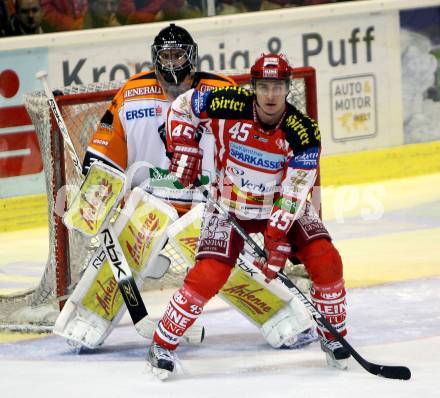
110,244
389,372
42,76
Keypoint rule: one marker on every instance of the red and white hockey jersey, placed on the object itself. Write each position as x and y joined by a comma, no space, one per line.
258,171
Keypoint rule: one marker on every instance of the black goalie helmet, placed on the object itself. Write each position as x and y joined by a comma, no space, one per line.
174,54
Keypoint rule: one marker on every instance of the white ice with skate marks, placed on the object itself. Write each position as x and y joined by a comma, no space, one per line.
395,324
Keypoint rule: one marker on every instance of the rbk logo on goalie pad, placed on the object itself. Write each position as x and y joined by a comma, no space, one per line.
98,259
112,252
242,265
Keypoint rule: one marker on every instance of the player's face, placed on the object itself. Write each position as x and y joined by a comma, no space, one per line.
271,99
172,58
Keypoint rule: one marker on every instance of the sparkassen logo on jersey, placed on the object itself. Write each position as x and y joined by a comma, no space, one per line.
255,157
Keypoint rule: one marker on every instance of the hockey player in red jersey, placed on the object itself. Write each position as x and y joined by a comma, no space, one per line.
266,160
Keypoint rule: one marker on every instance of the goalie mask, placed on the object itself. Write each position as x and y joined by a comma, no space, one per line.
174,54
271,66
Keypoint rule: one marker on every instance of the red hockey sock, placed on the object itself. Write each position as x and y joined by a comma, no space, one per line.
330,301
183,309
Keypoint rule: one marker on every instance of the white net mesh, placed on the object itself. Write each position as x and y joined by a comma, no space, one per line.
82,107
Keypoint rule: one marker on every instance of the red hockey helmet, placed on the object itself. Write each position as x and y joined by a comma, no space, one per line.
271,66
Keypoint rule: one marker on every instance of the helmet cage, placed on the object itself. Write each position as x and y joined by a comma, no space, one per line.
174,54
178,58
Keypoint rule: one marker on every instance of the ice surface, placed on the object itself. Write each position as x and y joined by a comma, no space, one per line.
396,324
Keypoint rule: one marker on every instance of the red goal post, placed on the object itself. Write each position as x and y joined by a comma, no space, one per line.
82,108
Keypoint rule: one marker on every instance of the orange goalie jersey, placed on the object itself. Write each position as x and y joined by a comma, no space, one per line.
132,130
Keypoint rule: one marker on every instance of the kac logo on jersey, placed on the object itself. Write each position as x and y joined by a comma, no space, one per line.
143,113
255,157
306,160
198,102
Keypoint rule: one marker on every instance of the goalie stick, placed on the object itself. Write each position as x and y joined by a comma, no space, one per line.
110,244
389,372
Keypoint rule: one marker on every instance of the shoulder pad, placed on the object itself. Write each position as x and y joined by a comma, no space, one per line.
301,130
230,103
206,81
143,76
142,84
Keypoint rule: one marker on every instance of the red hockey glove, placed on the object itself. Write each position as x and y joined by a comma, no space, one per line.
278,251
186,164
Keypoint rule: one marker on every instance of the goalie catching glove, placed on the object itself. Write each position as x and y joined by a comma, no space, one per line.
186,164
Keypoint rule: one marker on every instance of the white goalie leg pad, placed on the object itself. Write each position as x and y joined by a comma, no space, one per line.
80,325
87,326
285,327
96,306
291,326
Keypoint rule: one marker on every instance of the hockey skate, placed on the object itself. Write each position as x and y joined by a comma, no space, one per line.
336,355
160,361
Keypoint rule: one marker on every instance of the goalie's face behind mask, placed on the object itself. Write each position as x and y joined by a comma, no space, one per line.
174,55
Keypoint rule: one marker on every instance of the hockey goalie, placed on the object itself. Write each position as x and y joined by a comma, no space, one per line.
125,141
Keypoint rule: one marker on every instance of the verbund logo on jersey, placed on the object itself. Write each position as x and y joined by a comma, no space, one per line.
142,113
255,157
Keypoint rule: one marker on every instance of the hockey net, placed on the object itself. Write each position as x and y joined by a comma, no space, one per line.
82,108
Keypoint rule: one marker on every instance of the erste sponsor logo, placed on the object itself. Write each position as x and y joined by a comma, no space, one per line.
143,113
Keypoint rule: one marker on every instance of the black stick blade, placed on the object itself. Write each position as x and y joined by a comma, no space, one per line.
390,372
